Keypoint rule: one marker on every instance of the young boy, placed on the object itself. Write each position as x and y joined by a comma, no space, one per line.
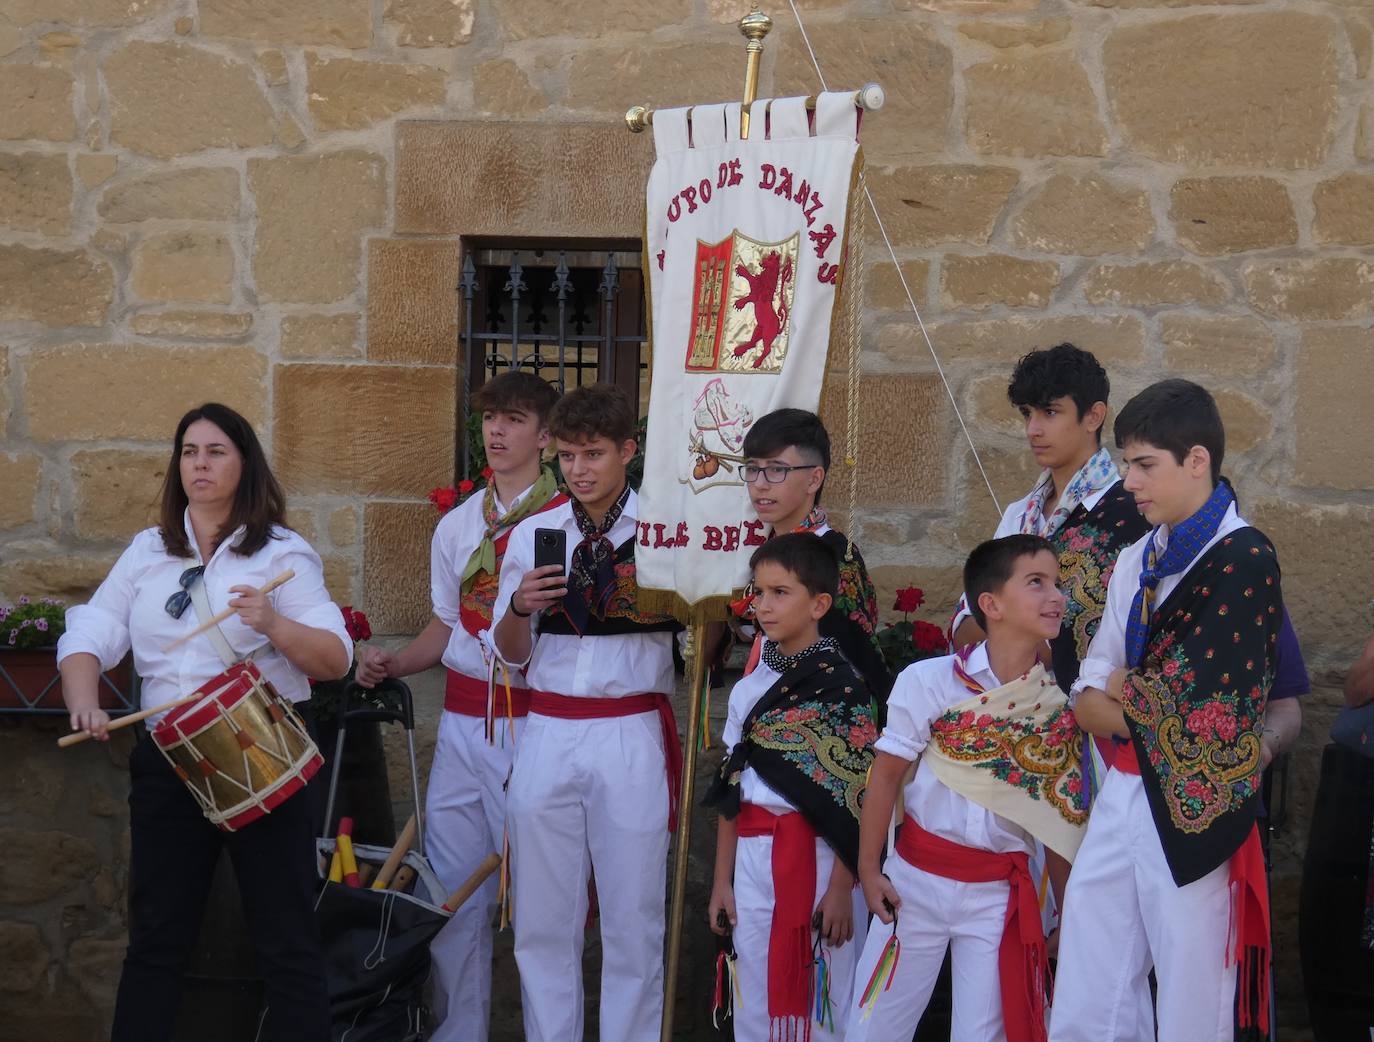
787,455
465,804
598,764
959,875
1170,873
799,729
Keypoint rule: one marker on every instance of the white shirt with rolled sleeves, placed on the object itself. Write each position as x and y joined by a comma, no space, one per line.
128,610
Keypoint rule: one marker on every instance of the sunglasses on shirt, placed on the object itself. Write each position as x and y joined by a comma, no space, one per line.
178,603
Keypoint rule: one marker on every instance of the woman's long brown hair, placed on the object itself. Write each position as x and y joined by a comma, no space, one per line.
259,502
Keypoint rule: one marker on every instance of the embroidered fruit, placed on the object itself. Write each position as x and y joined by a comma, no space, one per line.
699,471
710,465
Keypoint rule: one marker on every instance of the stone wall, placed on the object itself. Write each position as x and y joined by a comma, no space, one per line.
264,202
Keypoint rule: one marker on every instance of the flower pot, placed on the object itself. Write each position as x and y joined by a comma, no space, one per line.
29,680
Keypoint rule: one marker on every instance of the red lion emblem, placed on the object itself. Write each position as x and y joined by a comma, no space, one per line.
763,287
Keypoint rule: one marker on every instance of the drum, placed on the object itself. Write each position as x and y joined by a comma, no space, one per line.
241,749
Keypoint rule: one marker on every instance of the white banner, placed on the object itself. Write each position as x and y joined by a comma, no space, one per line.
744,250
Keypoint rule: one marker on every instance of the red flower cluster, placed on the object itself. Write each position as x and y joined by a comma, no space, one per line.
909,599
486,473
444,498
356,623
928,637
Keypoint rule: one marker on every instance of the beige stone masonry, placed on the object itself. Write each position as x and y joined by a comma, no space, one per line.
1089,215
19,476
346,94
116,491
320,336
54,287
1223,347
337,23
1216,215
1034,105
411,301
191,266
83,13
38,103
35,193
1311,288
96,169
933,205
1152,285
430,23
1345,210
503,88
980,282
198,325
1003,35
1335,379
188,194
883,290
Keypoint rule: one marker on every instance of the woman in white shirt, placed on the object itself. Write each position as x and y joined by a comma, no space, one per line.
221,525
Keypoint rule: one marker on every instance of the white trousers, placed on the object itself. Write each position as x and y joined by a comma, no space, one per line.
589,795
936,914
1123,914
465,813
754,900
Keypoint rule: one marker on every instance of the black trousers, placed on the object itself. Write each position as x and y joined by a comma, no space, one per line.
174,850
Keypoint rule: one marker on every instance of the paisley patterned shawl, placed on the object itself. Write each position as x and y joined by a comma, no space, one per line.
810,738
1088,544
853,617
1018,752
616,610
1195,705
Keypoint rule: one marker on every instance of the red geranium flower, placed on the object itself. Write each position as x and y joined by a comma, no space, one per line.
444,498
486,473
909,599
928,637
356,623
466,486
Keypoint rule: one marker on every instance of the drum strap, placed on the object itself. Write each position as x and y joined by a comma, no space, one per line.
200,600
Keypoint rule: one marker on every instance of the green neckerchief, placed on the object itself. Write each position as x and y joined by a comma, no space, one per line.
483,559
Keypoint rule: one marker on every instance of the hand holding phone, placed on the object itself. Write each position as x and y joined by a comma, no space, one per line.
545,584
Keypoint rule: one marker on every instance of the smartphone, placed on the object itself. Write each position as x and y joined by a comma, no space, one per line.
551,548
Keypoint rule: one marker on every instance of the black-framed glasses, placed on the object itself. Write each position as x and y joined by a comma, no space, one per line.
772,473
177,603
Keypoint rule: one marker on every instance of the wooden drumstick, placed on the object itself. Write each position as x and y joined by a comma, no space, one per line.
455,900
404,877
77,737
285,576
397,855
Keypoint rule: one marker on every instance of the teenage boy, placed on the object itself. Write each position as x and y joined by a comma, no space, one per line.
465,803
598,762
959,875
799,730
787,456
1170,873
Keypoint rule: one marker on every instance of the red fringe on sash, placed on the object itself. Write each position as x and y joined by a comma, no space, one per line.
1250,924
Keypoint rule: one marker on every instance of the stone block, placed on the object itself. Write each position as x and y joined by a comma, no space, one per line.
490,178
968,7
1114,340
1258,89
905,56
195,266
339,573
196,325
538,18
58,48
95,965
1345,210
335,23
84,14
116,491
343,526
412,305
1152,285
96,168
88,392
287,132
23,957
430,23
502,87
19,477
908,415
882,288
731,11
172,99
4,386
1326,573
41,865
303,518
1032,105
1087,214
1216,346
274,69
346,94
1248,422
396,565
35,193
69,577
196,194
54,287
933,205
38,103
1335,426
994,278
320,336
1364,135
1005,35
1311,287
600,78
1216,215
377,430
311,213
11,39
994,412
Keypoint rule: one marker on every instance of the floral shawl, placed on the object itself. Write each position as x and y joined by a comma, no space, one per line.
853,617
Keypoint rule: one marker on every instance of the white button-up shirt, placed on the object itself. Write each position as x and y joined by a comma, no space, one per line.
746,694
610,666
1107,652
923,693
128,611
457,536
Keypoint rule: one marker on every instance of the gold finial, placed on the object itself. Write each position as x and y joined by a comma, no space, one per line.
754,26
637,119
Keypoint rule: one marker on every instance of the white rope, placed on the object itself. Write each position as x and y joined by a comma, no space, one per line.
891,252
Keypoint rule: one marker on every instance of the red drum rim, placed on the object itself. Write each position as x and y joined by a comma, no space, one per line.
226,689
289,786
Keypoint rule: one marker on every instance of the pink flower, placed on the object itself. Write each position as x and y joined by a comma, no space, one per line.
1014,777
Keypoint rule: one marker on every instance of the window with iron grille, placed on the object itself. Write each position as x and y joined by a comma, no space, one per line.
571,313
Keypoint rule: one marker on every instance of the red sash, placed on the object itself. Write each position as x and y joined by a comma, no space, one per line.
568,707
1022,960
1124,758
468,696
789,937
